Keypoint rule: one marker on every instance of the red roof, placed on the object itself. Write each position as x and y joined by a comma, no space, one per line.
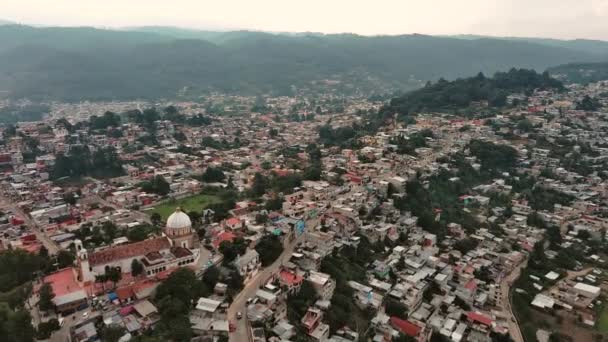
124,293
63,282
130,250
480,318
290,278
405,326
471,285
233,221
223,236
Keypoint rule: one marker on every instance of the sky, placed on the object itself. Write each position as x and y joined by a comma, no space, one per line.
565,19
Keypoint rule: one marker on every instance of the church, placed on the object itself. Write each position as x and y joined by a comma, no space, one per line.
175,248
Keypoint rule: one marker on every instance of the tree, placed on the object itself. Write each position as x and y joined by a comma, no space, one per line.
395,308
16,326
229,251
465,245
213,175
273,133
158,185
112,333
65,258
137,268
270,248
113,274
46,297
588,104
261,218
156,219
138,233
45,329
211,276
259,186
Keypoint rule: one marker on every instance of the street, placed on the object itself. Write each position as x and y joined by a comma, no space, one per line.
505,293
49,244
239,303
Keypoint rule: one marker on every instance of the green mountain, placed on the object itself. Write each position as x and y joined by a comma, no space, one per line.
581,72
86,63
597,47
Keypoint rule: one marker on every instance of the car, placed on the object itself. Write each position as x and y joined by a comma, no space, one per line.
85,315
231,327
239,315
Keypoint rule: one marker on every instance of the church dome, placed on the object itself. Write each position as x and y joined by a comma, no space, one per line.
178,220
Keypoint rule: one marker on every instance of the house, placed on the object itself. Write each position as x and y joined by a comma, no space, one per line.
69,294
314,327
248,264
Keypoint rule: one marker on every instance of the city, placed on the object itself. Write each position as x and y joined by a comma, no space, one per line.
470,208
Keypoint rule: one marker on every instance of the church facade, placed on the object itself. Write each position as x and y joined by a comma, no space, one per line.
175,248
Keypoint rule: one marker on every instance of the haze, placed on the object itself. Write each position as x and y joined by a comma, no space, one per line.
566,19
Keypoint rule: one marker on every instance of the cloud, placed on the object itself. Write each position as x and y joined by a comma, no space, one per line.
551,18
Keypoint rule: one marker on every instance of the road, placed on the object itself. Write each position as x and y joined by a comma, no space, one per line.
49,244
505,293
240,302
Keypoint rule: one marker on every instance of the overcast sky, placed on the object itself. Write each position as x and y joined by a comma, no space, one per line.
532,18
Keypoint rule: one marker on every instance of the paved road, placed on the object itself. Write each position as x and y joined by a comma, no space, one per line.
240,302
50,245
505,293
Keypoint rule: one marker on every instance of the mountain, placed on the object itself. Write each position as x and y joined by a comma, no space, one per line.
6,22
581,72
73,64
596,47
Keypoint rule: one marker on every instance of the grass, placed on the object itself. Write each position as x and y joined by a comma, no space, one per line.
192,203
602,322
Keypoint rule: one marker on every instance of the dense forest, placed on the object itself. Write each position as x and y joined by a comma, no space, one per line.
446,96
581,72
86,63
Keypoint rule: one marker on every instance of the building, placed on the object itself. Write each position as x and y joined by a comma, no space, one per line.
179,229
248,264
157,254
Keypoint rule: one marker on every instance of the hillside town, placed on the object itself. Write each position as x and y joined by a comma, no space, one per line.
298,219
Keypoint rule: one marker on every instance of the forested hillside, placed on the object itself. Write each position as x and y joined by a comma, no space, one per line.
87,63
447,96
581,72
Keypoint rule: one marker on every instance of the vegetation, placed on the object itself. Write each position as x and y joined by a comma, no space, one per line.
589,104
14,114
46,298
213,175
270,248
81,162
581,72
196,203
447,96
61,64
158,185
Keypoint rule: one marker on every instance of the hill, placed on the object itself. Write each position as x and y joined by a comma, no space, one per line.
454,96
581,72
595,47
85,63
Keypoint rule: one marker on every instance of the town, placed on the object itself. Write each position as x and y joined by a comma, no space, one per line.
301,218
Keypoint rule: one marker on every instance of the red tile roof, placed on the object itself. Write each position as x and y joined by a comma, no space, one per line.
223,236
124,293
290,278
479,318
233,221
405,326
130,250
63,282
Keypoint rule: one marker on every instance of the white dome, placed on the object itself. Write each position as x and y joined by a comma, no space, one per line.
178,220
